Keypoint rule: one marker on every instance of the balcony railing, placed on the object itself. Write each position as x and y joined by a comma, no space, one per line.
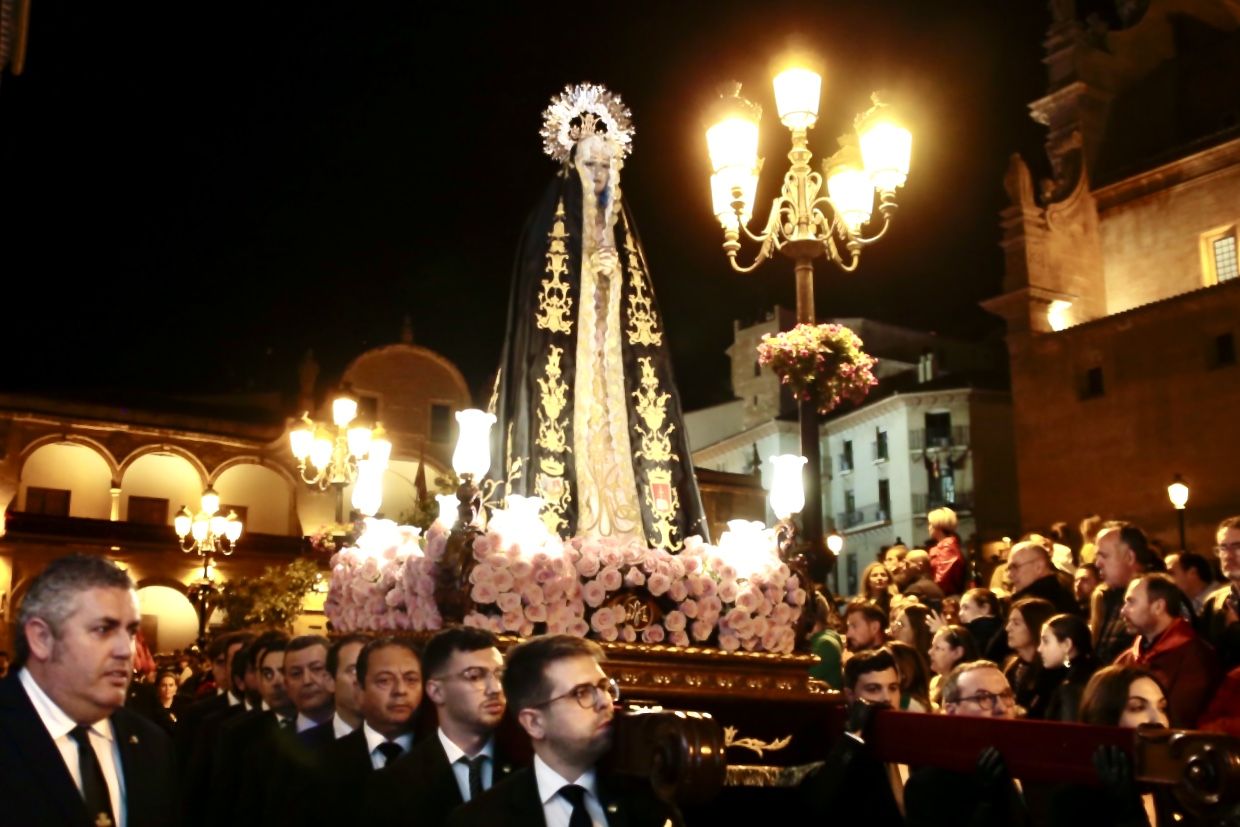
864,515
923,503
958,436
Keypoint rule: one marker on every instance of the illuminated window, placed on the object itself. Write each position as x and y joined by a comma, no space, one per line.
1219,256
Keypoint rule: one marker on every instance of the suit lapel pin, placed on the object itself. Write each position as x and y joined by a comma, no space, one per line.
133,739
612,808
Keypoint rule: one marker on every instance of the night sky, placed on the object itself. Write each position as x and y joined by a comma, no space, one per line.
193,194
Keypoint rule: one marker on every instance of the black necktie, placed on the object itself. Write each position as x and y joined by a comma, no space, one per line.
576,796
94,787
475,775
390,750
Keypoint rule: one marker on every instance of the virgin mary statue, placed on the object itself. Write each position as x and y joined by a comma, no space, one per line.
589,416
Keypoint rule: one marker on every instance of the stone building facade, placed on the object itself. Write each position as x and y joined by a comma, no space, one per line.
1121,295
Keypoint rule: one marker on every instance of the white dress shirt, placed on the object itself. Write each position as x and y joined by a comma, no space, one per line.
304,723
461,770
102,738
556,809
374,739
340,726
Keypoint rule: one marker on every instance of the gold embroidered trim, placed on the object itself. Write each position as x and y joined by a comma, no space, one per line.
553,439
656,448
642,319
555,305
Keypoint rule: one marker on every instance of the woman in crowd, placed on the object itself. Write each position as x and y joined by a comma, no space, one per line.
1125,696
981,614
914,677
1067,645
877,586
1031,683
951,645
910,624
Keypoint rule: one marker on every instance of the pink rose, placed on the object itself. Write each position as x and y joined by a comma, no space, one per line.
728,642
521,569
512,621
609,634
628,633
497,560
544,575
533,595
675,621
727,591
678,638
749,600
482,573
594,593
587,564
482,547
689,608
797,597
653,633
634,578
602,619
476,620
553,590
781,613
726,572
509,602
750,643
758,627
710,605
578,627
536,613
702,586
771,639
679,591
611,579
502,580
702,630
658,584
483,593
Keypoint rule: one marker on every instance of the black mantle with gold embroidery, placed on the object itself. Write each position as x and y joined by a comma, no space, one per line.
534,400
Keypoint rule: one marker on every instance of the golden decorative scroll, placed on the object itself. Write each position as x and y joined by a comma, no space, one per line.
753,744
750,775
643,322
555,305
553,439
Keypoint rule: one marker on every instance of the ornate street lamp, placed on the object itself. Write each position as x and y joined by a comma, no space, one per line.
471,460
207,532
330,455
1177,492
805,222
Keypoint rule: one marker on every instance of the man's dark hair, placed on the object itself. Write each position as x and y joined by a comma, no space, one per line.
525,673
1161,587
871,611
449,641
363,657
50,596
1106,694
261,644
306,642
240,663
218,645
1132,536
871,660
333,651
1191,561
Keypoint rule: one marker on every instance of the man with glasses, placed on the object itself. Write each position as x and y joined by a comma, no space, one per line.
1220,613
464,673
566,704
988,795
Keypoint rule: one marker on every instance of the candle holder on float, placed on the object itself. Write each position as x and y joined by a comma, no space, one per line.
470,460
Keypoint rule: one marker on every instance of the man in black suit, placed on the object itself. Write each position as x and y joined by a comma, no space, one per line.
853,786
1220,611
69,753
389,673
987,796
565,703
221,651
464,673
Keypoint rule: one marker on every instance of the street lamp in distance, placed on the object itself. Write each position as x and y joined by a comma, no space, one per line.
1177,492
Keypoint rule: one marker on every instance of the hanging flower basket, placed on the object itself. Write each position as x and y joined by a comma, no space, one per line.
821,363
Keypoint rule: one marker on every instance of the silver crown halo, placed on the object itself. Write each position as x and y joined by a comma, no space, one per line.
590,104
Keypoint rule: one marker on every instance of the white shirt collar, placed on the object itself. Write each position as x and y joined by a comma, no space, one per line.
304,723
374,739
340,727
551,782
455,753
55,719
233,700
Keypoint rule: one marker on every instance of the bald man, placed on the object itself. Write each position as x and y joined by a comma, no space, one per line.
1033,575
920,584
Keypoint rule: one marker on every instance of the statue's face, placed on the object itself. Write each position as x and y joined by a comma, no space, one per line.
594,161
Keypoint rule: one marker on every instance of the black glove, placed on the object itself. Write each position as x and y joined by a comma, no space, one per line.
1115,772
860,713
991,774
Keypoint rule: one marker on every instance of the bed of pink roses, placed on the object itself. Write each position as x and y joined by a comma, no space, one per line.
699,597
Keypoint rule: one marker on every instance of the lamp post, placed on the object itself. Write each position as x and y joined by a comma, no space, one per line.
804,223
1177,492
787,497
330,455
207,534
471,459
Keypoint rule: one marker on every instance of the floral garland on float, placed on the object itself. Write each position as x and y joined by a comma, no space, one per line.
524,580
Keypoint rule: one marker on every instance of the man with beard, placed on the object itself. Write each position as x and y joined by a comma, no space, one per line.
69,753
565,703
464,673
864,625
